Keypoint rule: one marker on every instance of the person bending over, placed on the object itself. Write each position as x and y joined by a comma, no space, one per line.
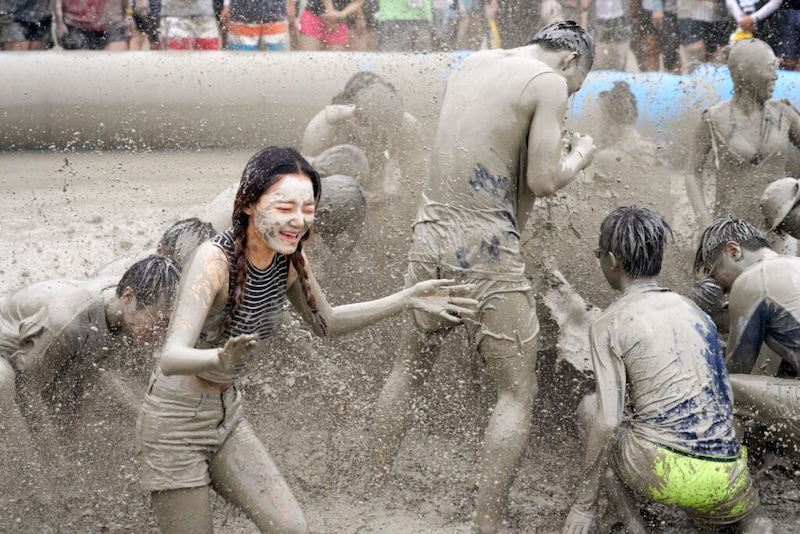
660,424
53,336
764,307
192,432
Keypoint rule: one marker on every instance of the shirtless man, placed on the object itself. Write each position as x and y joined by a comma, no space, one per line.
746,138
764,308
677,446
53,335
499,146
780,207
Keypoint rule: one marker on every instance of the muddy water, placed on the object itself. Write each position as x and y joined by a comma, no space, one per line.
67,214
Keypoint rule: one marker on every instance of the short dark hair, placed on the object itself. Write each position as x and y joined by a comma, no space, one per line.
708,295
182,238
152,279
566,35
720,232
636,236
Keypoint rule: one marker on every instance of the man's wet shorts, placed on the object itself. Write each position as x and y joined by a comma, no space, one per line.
712,491
180,429
522,325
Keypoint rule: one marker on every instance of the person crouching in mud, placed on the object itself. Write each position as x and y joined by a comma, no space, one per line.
53,337
677,446
192,431
764,308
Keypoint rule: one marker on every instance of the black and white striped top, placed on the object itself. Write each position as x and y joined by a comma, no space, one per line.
264,294
261,309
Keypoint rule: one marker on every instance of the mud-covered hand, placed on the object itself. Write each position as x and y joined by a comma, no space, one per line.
578,521
583,145
237,352
443,298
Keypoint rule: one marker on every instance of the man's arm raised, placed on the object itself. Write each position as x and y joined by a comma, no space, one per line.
549,169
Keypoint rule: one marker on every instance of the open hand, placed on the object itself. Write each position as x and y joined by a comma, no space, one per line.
237,352
584,144
441,297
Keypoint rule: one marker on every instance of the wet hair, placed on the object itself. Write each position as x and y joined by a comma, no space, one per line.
348,160
358,82
636,236
183,237
262,172
566,35
620,103
708,295
720,232
152,279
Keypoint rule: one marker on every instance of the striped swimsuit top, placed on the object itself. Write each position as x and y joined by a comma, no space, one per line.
261,309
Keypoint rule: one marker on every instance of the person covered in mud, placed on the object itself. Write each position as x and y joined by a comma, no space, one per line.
764,307
497,148
177,243
192,431
54,335
369,113
619,113
679,416
747,138
342,206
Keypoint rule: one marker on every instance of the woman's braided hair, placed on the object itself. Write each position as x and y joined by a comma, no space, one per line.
261,173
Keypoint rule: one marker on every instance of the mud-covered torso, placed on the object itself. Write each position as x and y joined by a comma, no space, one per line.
765,307
747,156
674,367
469,214
260,311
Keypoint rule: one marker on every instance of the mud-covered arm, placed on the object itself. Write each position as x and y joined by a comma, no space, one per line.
320,133
748,329
609,370
432,296
202,282
409,150
694,187
548,168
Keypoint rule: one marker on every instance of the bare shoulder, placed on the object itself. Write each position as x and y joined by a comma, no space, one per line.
61,301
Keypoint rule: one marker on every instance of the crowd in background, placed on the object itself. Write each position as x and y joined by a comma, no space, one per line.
633,35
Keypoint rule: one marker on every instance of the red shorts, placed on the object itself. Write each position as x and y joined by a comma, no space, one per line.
315,27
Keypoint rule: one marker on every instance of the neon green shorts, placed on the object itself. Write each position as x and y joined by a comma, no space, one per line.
711,491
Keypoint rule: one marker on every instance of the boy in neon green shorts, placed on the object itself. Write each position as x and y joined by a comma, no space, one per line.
657,353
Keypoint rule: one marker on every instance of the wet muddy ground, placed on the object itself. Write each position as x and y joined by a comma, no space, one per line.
67,214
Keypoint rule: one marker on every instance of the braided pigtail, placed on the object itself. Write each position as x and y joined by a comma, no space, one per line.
299,264
239,266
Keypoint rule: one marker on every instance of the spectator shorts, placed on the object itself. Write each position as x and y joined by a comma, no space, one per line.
190,33
268,36
313,26
15,32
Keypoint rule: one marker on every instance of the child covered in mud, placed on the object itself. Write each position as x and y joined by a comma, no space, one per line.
660,424
53,337
192,431
764,307
746,139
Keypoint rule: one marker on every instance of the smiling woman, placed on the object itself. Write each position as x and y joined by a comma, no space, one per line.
191,430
